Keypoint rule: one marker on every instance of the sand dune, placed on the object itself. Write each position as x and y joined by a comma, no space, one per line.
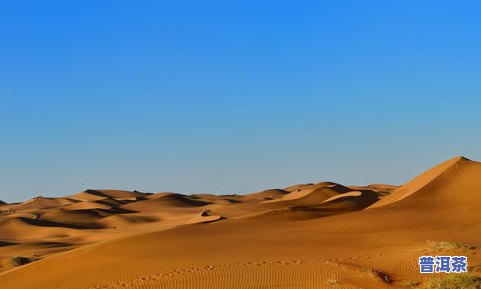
310,187
354,200
322,235
272,194
171,202
88,195
22,229
122,221
95,195
445,171
87,205
42,203
309,197
219,199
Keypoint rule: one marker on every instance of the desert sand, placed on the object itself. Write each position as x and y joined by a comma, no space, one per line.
323,235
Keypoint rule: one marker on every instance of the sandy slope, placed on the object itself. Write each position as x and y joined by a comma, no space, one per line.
306,236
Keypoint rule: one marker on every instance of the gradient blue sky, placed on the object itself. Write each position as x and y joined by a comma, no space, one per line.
233,96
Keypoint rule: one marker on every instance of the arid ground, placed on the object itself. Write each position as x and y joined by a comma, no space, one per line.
323,235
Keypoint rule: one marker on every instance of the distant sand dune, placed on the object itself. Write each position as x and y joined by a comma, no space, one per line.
272,194
87,205
42,203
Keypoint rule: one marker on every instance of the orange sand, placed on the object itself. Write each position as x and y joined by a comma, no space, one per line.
321,235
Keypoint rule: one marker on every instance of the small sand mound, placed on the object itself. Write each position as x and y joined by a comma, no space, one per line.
23,229
382,187
95,195
120,194
272,194
355,200
122,221
43,203
218,199
312,187
77,219
204,217
88,196
165,200
160,195
310,197
87,205
340,196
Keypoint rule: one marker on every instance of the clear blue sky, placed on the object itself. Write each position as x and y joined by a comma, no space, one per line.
233,96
